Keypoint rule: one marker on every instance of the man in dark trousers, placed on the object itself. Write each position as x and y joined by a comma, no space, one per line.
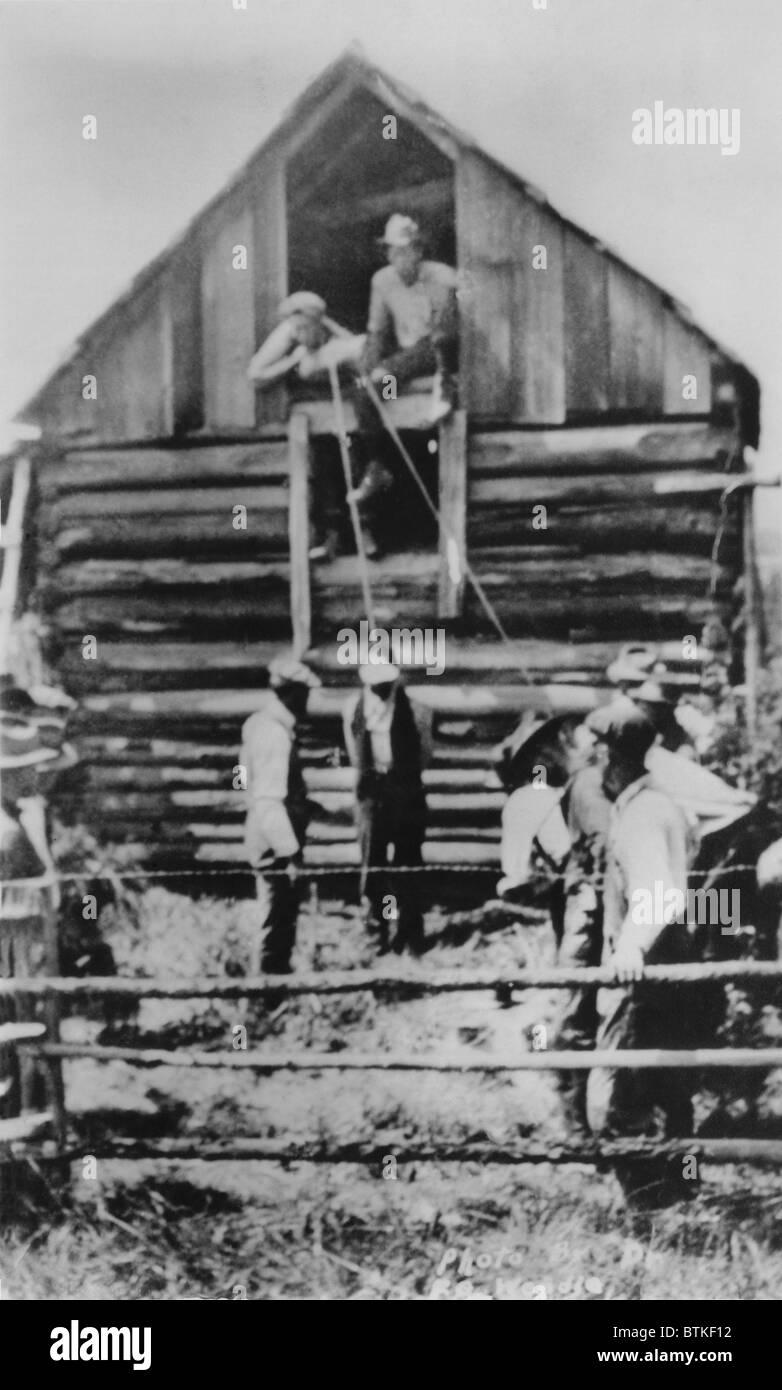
384,745
277,805
649,845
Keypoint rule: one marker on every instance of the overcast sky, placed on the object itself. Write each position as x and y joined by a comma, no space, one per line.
185,89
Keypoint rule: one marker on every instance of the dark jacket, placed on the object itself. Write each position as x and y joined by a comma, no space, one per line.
405,771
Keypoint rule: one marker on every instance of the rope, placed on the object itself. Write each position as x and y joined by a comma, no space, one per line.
389,425
315,871
344,449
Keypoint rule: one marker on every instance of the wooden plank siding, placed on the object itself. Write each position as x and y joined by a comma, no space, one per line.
686,353
131,381
512,320
635,314
228,315
270,275
183,343
587,366
130,372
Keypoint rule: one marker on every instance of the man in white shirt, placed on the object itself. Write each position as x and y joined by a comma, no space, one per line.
412,331
649,849
277,805
300,351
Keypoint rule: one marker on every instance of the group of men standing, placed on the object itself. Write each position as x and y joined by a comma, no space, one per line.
619,838
385,747
615,849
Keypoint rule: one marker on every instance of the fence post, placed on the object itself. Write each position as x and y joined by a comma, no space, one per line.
453,513
51,1012
299,525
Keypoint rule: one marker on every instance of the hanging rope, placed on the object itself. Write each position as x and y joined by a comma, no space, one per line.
470,574
344,449
390,427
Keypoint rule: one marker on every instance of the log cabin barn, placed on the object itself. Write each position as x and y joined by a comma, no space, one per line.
573,397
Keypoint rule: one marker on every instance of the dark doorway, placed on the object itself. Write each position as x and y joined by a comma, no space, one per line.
341,188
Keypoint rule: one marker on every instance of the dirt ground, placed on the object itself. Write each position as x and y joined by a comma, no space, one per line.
409,1231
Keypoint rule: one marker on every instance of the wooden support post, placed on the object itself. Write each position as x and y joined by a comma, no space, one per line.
52,1009
752,640
453,513
299,530
12,539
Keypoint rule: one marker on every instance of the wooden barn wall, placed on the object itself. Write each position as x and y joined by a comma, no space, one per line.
686,352
183,342
65,412
228,317
139,548
622,549
586,336
512,322
270,274
131,376
128,361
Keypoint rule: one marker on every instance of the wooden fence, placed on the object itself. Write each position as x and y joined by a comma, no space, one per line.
17,1136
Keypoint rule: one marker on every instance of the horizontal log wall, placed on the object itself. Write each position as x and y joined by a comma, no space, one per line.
137,548
624,547
143,547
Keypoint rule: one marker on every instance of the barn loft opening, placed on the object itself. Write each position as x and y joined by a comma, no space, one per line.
343,184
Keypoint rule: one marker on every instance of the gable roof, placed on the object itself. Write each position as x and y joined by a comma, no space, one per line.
350,72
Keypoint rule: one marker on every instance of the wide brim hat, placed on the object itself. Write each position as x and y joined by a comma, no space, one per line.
533,733
652,692
20,746
288,670
378,673
634,663
401,230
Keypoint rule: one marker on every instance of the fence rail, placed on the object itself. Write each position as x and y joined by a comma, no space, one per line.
764,1152
16,1136
355,981
641,1059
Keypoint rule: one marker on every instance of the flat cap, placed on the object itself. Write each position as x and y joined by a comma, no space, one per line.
288,670
302,302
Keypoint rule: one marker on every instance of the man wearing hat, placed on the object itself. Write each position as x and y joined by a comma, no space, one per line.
277,805
658,703
300,350
649,849
384,746
304,343
412,328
